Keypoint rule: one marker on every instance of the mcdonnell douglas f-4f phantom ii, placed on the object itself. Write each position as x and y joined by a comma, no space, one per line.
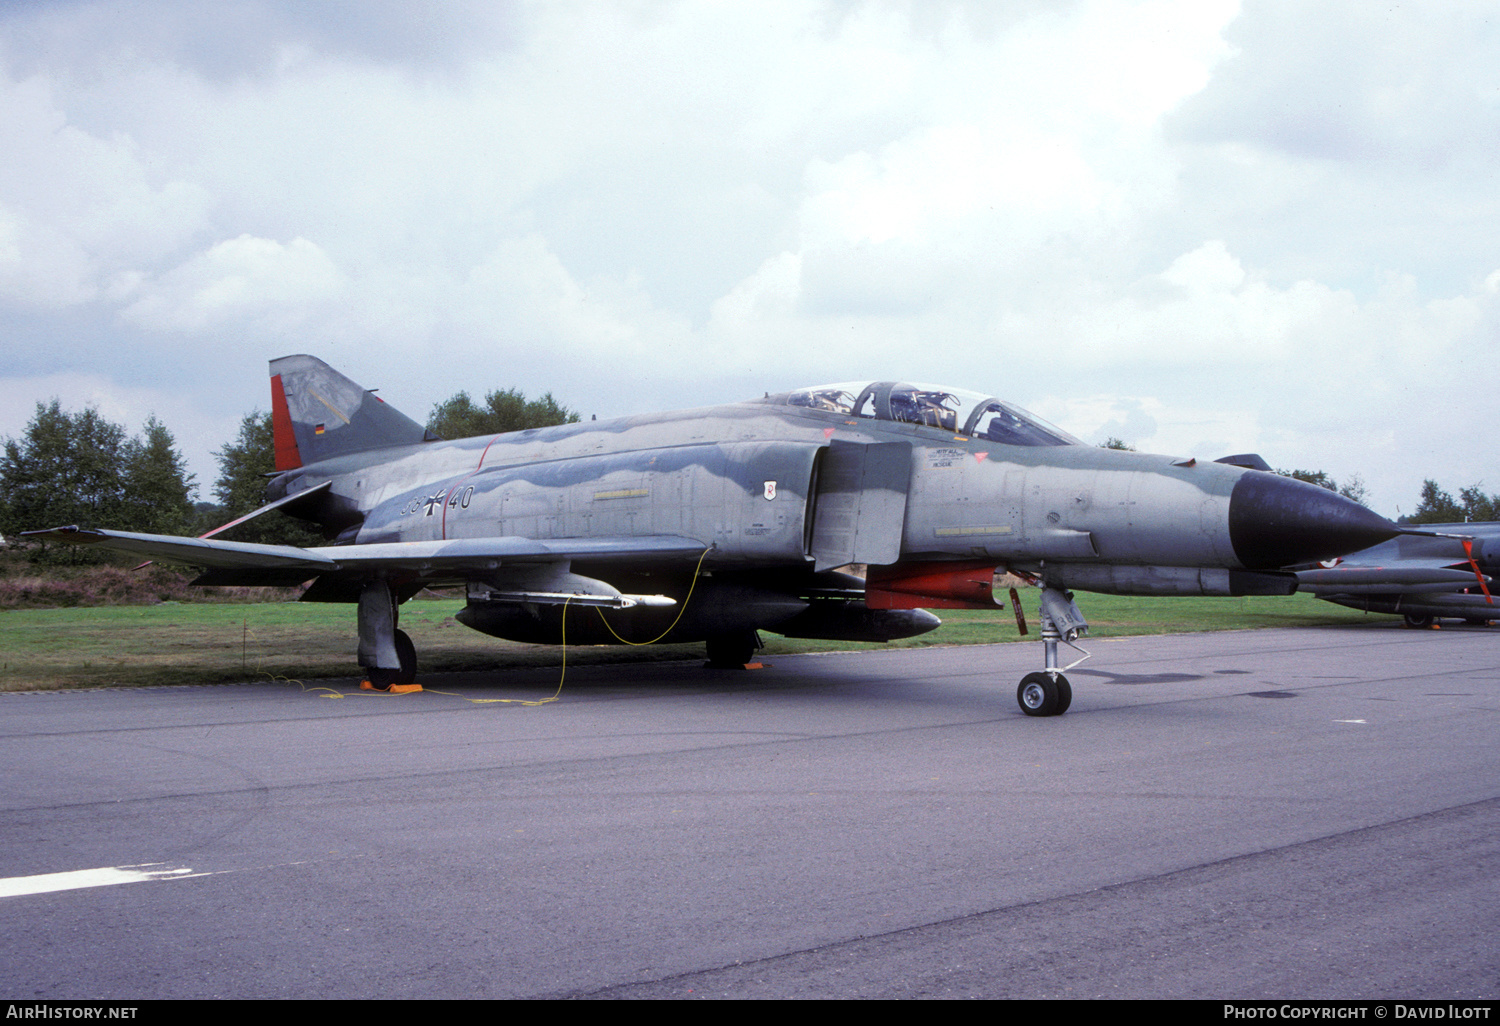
1430,571
717,523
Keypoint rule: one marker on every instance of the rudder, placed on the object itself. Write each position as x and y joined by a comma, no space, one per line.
317,414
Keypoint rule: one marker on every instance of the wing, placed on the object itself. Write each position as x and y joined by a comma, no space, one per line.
173,548
341,569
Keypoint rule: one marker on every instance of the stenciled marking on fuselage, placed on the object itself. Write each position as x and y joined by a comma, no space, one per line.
444,499
945,457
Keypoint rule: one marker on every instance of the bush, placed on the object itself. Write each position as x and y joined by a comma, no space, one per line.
119,586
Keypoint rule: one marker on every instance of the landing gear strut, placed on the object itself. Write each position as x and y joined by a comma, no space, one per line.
386,654
1048,693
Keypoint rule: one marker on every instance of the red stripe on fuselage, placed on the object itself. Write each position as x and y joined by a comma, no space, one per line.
443,530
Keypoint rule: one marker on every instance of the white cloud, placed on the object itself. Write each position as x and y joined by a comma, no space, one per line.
77,209
770,293
236,280
1204,229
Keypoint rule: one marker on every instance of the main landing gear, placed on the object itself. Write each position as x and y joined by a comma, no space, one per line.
386,654
731,651
1048,692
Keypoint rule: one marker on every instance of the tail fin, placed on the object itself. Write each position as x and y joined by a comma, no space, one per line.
317,414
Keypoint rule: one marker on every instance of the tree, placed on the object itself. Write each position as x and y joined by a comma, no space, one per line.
65,470
1316,477
78,468
1477,505
159,491
1438,507
1354,488
245,465
509,410
1116,443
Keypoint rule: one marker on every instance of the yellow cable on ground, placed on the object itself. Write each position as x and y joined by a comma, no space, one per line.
688,598
277,678
561,677
529,701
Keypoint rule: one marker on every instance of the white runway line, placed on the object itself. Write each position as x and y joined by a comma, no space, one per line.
108,876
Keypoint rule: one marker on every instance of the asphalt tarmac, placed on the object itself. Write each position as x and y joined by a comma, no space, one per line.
1280,814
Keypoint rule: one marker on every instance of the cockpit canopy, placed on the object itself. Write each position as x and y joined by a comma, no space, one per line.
965,413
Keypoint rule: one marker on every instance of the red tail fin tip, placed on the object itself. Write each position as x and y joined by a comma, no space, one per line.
287,456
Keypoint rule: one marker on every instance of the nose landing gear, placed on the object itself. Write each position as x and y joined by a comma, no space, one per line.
1048,693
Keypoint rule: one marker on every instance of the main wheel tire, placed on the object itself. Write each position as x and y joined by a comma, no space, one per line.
407,653
1418,619
384,678
731,651
1039,695
1064,695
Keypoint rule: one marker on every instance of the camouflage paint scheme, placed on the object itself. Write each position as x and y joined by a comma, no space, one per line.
714,524
1447,570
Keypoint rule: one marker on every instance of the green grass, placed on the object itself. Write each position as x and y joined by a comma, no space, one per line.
192,643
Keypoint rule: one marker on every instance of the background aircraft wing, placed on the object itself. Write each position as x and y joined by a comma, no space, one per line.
1430,558
1356,580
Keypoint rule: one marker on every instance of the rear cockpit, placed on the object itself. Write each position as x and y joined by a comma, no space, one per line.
960,412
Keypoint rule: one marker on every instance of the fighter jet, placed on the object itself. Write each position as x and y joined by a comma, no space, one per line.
714,524
1447,570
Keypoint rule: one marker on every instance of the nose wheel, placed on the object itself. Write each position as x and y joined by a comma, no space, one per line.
1044,694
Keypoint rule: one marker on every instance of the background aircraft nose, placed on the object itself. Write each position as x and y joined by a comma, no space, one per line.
1277,521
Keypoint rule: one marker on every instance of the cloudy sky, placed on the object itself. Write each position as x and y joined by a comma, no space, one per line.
1204,226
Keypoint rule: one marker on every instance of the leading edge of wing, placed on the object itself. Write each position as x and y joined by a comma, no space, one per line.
421,556
491,553
173,548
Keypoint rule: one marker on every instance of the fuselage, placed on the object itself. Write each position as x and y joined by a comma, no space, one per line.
714,524
772,483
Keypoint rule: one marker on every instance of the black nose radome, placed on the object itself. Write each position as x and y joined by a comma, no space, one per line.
1279,521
